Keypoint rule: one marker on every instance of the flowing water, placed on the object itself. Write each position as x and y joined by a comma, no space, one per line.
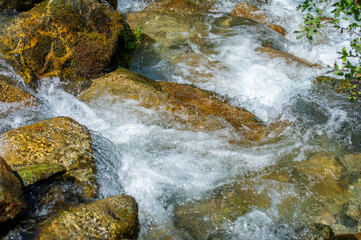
164,168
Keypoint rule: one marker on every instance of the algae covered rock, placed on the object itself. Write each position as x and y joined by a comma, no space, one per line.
111,218
31,174
12,200
60,141
186,105
75,40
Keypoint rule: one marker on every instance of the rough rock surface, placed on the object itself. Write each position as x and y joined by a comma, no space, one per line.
61,141
12,200
75,40
111,218
10,93
194,108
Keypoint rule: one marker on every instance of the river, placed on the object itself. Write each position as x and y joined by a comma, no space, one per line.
167,167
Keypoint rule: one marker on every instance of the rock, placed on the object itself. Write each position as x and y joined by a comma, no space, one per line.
252,12
72,39
33,173
12,200
315,232
288,58
351,163
194,108
111,218
60,141
205,218
338,85
10,93
356,236
18,5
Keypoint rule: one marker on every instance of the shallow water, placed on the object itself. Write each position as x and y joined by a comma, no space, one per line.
167,167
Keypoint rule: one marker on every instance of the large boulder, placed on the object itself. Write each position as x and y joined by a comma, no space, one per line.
60,141
75,40
111,218
192,108
12,200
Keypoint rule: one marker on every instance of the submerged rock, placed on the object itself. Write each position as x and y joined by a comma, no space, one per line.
287,57
111,218
74,40
252,12
187,105
12,199
205,218
60,141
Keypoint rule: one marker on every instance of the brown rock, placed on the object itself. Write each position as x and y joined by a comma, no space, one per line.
72,39
288,58
59,141
12,200
194,108
111,218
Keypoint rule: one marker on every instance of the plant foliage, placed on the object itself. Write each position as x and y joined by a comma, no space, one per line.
342,11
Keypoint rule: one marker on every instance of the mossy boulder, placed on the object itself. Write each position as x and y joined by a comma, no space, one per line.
12,200
111,218
186,105
75,40
33,173
251,11
60,141
18,5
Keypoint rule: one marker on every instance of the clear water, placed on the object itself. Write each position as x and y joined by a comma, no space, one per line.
163,167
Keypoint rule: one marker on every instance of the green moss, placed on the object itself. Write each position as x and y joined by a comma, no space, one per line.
31,174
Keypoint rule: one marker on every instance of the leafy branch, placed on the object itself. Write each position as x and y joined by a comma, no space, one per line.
350,11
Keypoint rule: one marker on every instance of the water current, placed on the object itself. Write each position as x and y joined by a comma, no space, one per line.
164,168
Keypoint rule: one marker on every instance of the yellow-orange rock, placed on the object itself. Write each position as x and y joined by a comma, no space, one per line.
72,39
60,141
194,108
